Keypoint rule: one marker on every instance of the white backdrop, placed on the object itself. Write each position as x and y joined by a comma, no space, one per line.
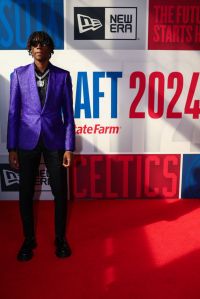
161,86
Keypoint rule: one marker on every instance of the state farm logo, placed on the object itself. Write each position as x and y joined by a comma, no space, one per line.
105,23
9,178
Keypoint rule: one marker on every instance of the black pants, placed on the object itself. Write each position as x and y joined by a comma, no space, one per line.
29,161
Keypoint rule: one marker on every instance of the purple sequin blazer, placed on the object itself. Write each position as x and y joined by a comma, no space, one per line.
27,119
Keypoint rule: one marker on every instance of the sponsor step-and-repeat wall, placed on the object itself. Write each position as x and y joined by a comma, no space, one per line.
136,93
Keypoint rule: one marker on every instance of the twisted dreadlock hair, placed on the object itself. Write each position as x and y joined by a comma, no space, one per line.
41,36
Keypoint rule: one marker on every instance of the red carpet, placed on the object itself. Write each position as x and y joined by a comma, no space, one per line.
121,249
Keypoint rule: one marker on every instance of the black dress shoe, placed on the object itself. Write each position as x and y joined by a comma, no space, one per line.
26,251
62,248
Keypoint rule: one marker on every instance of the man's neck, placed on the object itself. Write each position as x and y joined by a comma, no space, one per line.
41,65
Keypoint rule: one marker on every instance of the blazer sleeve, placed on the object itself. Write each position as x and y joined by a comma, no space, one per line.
14,112
68,115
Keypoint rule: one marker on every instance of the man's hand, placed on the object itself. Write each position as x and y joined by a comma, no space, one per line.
13,160
67,159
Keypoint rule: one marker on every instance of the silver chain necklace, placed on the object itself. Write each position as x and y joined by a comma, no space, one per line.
40,82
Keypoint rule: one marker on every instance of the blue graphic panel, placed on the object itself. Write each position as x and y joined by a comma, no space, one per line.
191,176
19,18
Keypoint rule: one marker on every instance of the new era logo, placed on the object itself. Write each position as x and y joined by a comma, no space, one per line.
85,23
89,23
10,177
105,23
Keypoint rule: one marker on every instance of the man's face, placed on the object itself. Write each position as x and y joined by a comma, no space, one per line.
40,50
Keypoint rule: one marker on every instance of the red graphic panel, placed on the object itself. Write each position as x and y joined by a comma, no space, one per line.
174,25
126,176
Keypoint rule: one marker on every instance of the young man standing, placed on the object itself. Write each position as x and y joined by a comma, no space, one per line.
41,122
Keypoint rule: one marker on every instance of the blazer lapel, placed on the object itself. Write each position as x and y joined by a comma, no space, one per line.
50,86
33,89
